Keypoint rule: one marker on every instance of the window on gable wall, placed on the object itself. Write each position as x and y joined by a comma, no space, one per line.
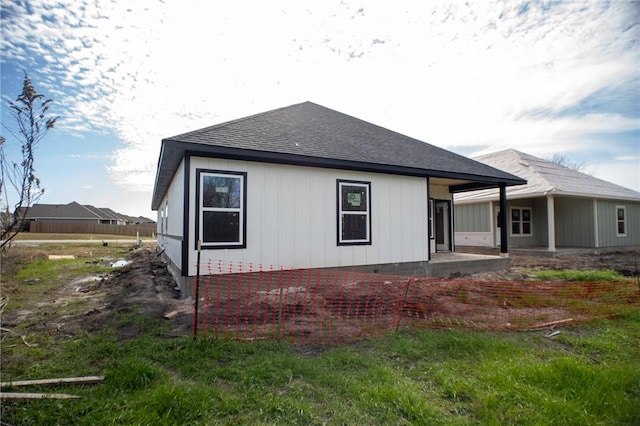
621,223
165,222
221,209
520,221
354,212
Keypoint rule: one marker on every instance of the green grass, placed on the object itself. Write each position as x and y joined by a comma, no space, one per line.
578,275
44,269
63,236
587,375
38,276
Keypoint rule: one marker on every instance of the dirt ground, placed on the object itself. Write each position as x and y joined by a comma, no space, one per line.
625,262
131,298
123,300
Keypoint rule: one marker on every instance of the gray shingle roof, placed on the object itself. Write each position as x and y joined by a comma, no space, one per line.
310,134
76,211
72,210
544,177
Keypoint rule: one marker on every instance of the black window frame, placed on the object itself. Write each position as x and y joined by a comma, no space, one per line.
340,212
242,232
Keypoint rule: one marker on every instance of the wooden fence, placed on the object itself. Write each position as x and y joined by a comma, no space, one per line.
144,230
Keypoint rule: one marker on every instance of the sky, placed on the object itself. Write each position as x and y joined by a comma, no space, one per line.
543,77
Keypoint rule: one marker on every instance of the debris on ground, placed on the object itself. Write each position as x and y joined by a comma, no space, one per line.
84,380
120,263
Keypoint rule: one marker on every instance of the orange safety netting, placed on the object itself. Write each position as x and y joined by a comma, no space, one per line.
323,306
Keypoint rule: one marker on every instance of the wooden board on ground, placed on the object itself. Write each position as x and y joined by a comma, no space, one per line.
86,380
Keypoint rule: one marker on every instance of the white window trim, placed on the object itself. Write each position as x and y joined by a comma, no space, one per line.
521,234
241,243
367,213
624,209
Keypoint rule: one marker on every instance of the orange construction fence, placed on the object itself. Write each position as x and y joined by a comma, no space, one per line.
324,306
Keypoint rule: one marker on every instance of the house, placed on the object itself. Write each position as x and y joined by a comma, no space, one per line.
305,186
137,220
74,212
558,207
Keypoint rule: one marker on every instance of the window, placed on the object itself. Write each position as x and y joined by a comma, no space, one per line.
621,223
165,222
520,221
354,213
221,214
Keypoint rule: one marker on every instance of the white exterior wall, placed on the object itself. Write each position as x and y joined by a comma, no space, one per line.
292,217
171,240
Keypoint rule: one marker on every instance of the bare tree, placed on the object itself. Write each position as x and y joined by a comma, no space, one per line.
32,122
563,160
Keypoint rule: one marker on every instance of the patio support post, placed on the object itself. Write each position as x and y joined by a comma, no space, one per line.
551,223
504,246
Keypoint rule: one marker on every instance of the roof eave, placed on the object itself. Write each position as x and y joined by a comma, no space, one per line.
173,151
495,197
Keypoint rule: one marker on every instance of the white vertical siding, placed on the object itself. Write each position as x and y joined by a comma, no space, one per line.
382,220
175,196
292,217
171,241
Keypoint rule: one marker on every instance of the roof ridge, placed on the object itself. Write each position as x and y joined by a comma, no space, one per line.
523,156
88,209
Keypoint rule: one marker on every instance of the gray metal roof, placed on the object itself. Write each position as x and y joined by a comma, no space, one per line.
545,178
313,135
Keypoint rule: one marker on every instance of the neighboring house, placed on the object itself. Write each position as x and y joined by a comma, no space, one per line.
137,220
73,213
308,187
558,207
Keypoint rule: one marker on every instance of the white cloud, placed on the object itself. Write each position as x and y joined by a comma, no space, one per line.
623,173
455,75
628,158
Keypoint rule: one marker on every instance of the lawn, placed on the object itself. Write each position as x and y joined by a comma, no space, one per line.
42,236
586,374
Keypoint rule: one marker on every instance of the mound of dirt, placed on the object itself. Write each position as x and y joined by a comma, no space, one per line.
143,289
